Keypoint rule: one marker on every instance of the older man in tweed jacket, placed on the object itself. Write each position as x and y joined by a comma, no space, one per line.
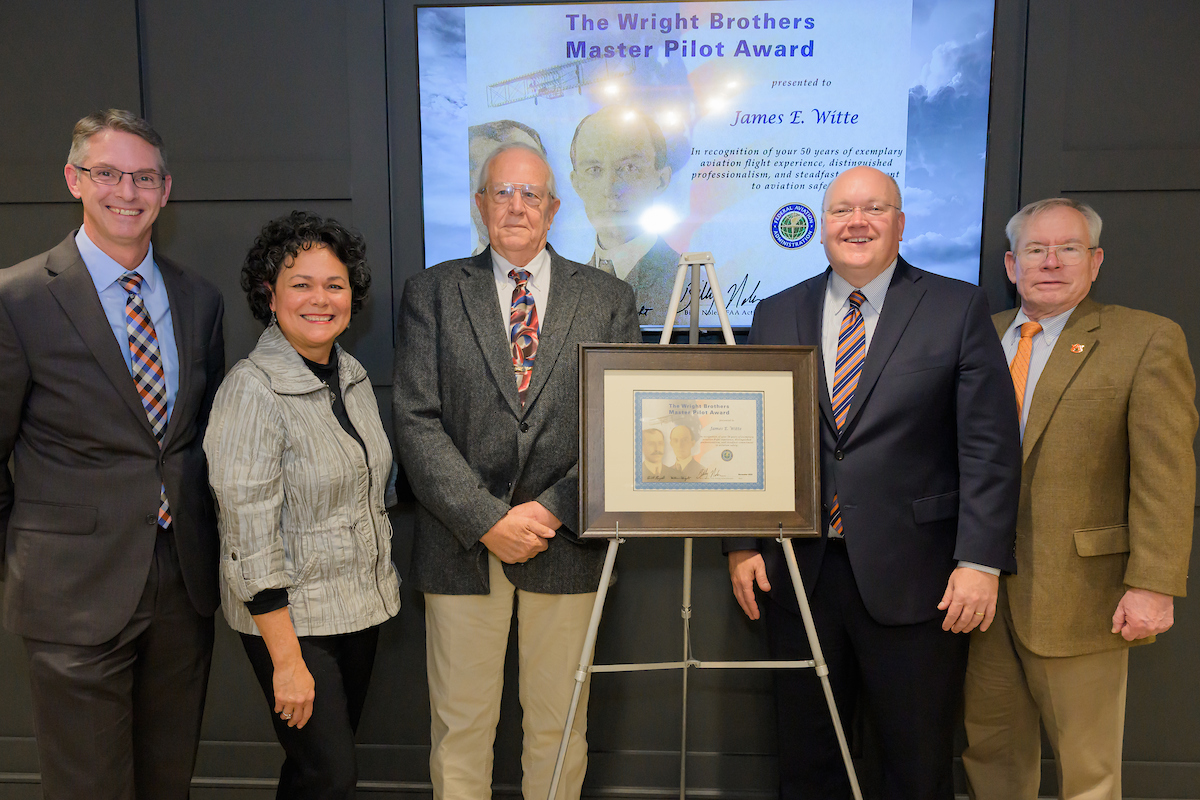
493,464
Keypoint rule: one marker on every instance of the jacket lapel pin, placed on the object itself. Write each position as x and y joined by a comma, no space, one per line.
1076,348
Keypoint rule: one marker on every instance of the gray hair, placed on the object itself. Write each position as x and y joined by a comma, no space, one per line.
114,119
1016,225
481,181
895,188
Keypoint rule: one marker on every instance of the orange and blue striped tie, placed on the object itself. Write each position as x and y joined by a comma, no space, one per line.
147,369
851,350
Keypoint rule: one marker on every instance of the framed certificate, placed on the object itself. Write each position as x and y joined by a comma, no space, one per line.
708,440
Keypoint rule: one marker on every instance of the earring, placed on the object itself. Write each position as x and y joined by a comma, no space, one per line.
274,321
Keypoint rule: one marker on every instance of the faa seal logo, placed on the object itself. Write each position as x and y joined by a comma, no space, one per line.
727,455
793,226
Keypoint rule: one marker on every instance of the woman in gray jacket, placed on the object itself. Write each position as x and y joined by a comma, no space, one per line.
299,462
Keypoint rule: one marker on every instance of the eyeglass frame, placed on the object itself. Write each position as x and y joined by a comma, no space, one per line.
161,177
864,209
486,191
1057,249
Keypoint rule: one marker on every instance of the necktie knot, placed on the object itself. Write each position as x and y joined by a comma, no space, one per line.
857,298
521,276
1030,329
131,282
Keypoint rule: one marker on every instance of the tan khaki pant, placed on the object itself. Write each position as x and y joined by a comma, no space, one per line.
1080,699
466,637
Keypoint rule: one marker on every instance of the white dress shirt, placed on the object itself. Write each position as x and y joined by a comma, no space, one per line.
539,285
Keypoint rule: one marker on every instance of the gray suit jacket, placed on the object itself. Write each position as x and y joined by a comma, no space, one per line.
78,518
470,450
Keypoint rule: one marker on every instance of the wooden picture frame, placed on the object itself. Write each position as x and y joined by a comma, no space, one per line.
705,440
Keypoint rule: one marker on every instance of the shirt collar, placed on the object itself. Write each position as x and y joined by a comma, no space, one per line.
875,291
624,257
537,267
1052,327
105,270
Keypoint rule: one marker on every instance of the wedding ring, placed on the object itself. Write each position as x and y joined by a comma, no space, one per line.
285,716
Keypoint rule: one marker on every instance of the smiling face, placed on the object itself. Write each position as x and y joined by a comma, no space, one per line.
862,246
614,174
517,231
681,443
311,302
1050,288
653,446
118,219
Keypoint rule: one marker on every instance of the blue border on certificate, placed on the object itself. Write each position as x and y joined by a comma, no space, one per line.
699,485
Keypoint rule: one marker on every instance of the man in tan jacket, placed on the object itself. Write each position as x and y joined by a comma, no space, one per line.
1104,529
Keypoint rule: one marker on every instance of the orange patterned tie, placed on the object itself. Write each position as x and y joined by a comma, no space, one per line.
1019,369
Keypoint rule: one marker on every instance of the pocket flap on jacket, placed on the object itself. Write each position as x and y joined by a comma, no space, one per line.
1102,541
52,517
939,506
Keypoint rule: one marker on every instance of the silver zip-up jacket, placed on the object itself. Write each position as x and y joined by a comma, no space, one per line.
299,508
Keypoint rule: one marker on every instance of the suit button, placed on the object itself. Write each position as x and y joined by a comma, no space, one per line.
151,519
524,427
839,455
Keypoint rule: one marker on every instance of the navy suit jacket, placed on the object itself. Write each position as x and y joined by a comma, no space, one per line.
927,468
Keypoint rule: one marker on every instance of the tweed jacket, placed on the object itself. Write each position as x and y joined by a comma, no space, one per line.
470,449
1108,480
298,506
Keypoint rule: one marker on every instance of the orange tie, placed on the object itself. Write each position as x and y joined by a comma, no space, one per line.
1019,369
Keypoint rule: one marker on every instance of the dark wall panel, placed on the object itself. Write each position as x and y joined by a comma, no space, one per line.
59,60
252,98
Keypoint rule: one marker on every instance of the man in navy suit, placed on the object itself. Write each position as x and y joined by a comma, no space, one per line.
920,471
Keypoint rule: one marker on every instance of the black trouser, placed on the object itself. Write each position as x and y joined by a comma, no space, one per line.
121,719
320,756
909,677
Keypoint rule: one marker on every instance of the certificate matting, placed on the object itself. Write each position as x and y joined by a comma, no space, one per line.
698,440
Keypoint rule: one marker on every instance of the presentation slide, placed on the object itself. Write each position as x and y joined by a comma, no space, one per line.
689,127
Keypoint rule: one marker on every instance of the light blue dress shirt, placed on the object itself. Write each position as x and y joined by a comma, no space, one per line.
1043,343
105,271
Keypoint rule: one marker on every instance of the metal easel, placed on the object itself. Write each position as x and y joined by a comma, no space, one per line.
693,262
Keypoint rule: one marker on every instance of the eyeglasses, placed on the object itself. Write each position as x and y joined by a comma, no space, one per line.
1069,255
871,210
107,176
531,194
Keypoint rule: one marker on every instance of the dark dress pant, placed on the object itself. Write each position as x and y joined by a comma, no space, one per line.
121,720
909,679
320,761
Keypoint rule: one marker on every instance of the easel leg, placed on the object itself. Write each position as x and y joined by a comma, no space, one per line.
822,669
585,660
686,613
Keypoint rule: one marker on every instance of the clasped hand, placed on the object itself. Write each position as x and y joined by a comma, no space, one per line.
522,533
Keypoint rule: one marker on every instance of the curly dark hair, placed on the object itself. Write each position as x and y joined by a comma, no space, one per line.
282,239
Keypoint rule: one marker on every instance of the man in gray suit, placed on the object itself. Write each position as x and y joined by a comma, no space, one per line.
109,358
487,424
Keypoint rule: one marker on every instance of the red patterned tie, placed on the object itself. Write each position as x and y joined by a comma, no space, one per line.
522,331
148,376
851,350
